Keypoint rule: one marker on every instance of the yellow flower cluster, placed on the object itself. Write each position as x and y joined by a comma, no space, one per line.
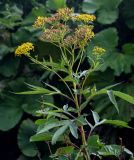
98,50
40,21
64,13
85,17
83,34
24,49
55,33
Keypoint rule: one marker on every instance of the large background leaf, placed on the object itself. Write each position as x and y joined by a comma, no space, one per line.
107,11
27,129
10,113
122,61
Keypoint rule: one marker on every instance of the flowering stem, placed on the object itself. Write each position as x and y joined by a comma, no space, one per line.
82,53
87,156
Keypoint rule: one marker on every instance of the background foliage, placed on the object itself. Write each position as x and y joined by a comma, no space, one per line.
114,27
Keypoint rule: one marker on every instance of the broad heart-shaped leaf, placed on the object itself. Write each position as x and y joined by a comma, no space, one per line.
112,99
36,11
127,12
107,11
10,15
121,63
10,113
90,6
55,4
128,48
59,133
110,150
31,104
11,70
4,50
27,129
107,39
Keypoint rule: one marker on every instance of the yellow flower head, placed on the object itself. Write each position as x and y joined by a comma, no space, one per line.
83,34
98,50
40,21
64,13
85,17
24,49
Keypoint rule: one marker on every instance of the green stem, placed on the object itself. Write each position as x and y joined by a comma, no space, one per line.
84,142
81,57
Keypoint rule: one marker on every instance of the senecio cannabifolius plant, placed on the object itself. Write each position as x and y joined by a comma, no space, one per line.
59,124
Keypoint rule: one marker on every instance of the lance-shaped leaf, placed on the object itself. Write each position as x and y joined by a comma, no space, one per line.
41,137
73,129
52,125
119,94
59,133
117,123
112,99
56,113
96,117
124,96
39,90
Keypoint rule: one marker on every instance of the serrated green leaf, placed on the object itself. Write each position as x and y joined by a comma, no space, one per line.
110,150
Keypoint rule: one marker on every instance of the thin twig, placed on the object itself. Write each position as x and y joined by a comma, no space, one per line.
49,147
